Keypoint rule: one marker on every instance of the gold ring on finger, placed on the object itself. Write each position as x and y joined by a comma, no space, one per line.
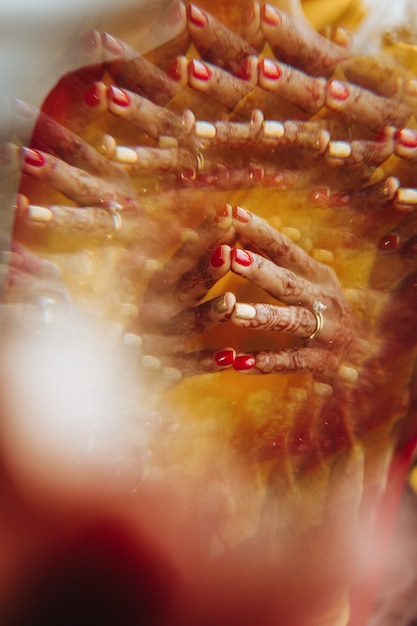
318,308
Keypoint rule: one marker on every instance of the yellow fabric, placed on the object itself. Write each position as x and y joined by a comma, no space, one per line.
347,13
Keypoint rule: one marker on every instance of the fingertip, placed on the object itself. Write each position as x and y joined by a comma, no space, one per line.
240,216
240,259
118,98
221,257
225,358
244,363
95,96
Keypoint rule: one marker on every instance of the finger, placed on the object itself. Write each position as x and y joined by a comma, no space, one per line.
83,104
298,44
157,160
92,222
317,361
251,26
172,30
74,183
213,82
405,143
83,64
228,177
279,248
188,254
308,93
24,261
374,112
156,121
405,199
234,135
361,151
263,134
194,284
133,71
49,136
203,362
279,282
189,289
196,320
216,43
289,319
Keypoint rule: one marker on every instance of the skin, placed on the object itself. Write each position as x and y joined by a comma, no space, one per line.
304,475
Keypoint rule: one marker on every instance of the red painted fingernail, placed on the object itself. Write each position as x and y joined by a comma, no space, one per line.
248,15
244,362
225,358
389,243
241,257
222,213
245,70
88,42
270,69
270,15
195,16
174,70
199,70
217,258
174,14
92,95
33,157
241,215
338,90
319,197
406,137
113,45
119,96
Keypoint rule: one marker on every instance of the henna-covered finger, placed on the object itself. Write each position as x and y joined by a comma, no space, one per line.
186,291
143,158
228,177
288,319
215,42
202,362
306,92
361,151
214,82
319,362
76,184
172,31
133,71
250,27
193,285
234,135
297,44
279,248
195,320
373,111
279,282
188,255
157,121
50,136
310,135
92,222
